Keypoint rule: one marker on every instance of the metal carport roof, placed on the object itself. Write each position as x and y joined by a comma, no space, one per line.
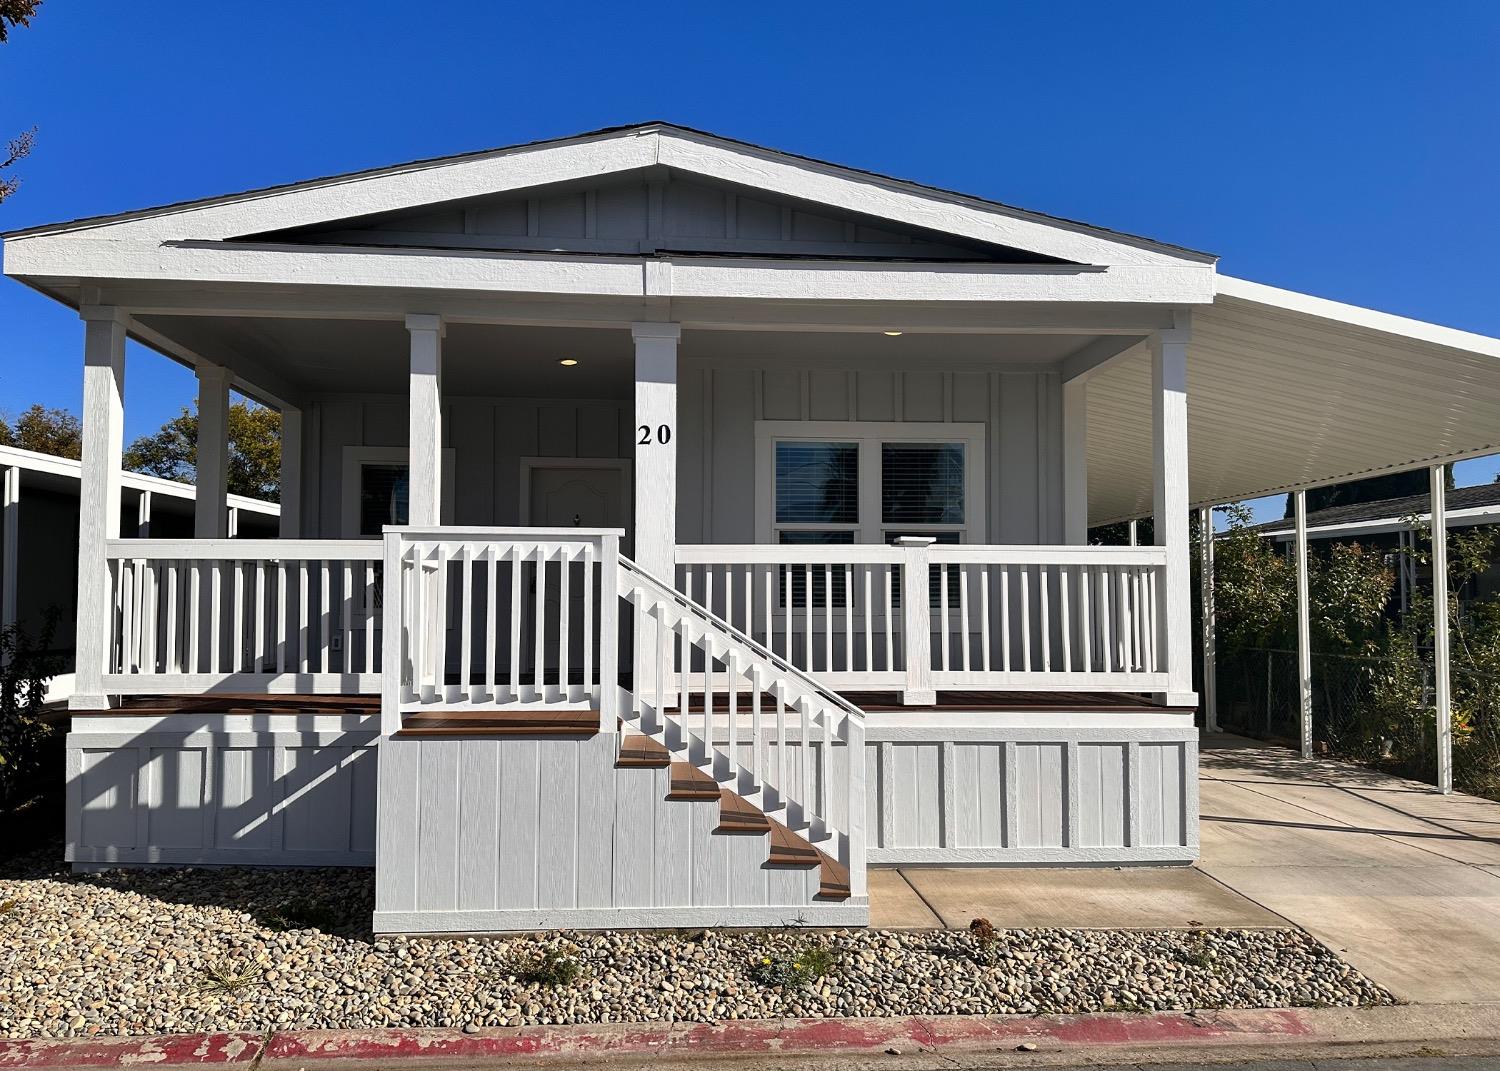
1289,391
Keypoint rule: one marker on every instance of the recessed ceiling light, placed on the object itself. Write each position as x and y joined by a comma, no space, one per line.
567,362
893,334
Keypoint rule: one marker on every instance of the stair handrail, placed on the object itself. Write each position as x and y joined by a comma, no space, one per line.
702,612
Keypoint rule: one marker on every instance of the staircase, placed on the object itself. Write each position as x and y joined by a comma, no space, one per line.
710,715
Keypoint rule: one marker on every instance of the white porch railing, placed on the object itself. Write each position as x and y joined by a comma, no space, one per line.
500,619
924,617
253,615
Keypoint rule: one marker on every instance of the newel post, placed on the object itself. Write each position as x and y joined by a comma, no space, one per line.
854,745
392,636
609,633
916,619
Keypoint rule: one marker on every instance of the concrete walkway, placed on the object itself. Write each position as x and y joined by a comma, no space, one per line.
1405,884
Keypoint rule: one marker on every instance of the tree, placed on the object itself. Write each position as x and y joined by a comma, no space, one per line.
254,462
47,431
15,13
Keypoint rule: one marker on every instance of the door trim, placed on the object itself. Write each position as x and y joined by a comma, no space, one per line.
619,464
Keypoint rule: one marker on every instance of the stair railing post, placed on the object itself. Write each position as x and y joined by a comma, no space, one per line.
916,619
854,821
392,657
609,633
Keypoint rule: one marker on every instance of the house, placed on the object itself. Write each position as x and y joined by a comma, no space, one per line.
673,528
39,538
1390,524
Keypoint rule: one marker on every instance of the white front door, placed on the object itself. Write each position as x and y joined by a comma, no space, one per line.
573,496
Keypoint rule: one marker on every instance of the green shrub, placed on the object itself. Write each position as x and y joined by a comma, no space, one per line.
794,968
25,668
549,968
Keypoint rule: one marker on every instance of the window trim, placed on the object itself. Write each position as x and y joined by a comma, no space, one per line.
869,435
356,457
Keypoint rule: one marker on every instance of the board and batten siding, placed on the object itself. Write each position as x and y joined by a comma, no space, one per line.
517,833
718,404
488,438
285,790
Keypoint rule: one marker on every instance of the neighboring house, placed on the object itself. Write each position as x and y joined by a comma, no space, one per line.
672,528
39,538
1387,524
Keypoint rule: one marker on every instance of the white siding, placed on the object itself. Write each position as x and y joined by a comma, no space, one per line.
293,790
501,834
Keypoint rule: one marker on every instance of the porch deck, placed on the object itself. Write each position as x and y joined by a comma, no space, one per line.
871,702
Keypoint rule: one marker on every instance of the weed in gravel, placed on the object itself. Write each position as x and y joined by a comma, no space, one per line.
1197,953
302,913
549,968
8,907
985,941
224,977
794,968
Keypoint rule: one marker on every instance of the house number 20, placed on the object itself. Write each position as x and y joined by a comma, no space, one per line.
663,434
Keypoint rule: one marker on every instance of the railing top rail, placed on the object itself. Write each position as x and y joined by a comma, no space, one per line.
880,554
662,589
455,533
244,549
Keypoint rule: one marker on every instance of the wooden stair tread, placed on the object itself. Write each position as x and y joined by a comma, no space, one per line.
642,752
690,783
739,815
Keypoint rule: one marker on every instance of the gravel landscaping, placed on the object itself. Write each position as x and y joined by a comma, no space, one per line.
174,950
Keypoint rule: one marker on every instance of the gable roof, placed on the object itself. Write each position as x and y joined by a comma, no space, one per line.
686,148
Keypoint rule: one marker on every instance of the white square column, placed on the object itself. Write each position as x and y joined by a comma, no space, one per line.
1076,462
99,493
425,476
1169,439
655,438
210,508
289,525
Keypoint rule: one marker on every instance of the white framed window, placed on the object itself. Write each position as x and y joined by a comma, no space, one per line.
862,482
376,492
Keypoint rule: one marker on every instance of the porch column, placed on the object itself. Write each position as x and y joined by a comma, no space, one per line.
1304,627
289,525
10,562
210,516
99,493
1441,685
425,476
1076,462
655,441
1206,612
1170,504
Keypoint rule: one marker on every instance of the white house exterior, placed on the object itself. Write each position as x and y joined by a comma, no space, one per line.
612,465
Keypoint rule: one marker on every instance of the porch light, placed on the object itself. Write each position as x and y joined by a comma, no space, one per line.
567,362
893,334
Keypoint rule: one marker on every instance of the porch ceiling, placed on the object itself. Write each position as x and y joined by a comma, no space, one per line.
371,356
1288,391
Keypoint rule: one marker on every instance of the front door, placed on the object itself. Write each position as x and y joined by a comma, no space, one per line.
573,496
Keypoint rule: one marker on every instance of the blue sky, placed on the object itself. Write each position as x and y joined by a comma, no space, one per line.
1348,151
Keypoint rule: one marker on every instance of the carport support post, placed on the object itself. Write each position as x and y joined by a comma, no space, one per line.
210,516
99,493
1304,628
1206,595
424,481
1442,691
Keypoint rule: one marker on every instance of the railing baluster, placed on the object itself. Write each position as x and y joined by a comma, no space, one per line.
587,573
539,625
942,621
1005,618
963,616
1025,572
237,659
889,573
828,619
517,607
347,613
984,618
215,617
1085,619
466,624
848,620
1044,601
869,621
491,620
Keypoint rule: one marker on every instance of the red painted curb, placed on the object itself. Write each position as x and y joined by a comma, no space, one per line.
744,1038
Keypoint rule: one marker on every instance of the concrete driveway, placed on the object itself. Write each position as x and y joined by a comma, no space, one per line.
1405,884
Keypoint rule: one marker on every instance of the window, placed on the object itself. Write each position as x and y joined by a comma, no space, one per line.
869,483
376,491
383,497
831,483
